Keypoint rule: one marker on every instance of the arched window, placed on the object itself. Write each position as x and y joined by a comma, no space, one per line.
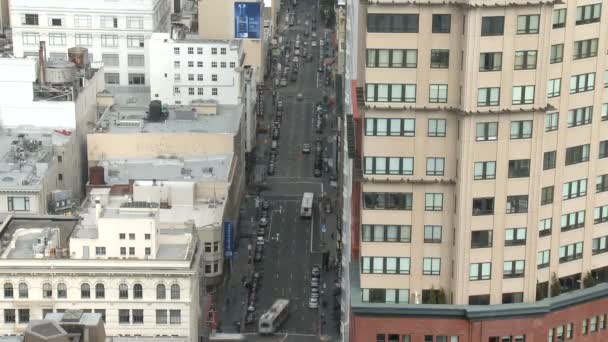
8,290
175,292
47,290
62,290
100,291
85,291
161,291
123,291
138,291
23,292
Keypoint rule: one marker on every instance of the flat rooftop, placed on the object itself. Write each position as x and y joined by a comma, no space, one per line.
25,154
181,119
18,235
197,169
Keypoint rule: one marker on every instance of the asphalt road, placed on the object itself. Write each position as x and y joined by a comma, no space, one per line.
292,243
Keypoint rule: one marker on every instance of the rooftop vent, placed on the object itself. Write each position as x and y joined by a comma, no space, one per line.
140,205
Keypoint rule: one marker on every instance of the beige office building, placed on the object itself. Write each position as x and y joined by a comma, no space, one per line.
484,149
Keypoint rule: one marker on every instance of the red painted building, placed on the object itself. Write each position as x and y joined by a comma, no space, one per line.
575,316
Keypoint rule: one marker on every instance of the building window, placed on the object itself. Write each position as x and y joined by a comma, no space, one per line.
110,59
389,165
433,202
527,24
554,87
431,266
580,116
392,58
480,300
481,239
135,41
585,327
161,316
588,14
139,79
386,233
577,154
573,220
521,129
480,271
232,65
483,206
387,201
517,204
131,250
436,127
123,291
199,50
432,234
570,252
138,291
523,95
124,317
82,21
29,38
24,316
29,19
599,246
191,50
175,292
490,61
100,291
148,251
214,91
9,316
519,168
574,189
109,40
585,48
138,316
18,203
190,91
62,290
8,290
581,83
176,51
525,60
557,53
492,26
176,91
515,236
603,153
83,39
392,296
438,93
488,97
486,131
435,166
175,317
136,60
440,59
391,127
441,23
392,23
214,64
546,195
109,22
123,250
390,93
549,160
47,290
551,121
85,291
559,18
600,214
484,170
214,51
112,78
515,297
513,269
222,51
601,183
214,77
543,258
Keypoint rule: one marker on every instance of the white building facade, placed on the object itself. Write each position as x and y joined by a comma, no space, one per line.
192,69
115,32
120,260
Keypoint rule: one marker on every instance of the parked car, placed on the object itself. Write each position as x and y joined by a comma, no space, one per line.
265,205
314,282
261,232
313,302
316,271
270,171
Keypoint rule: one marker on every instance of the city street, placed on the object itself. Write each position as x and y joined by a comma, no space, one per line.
292,244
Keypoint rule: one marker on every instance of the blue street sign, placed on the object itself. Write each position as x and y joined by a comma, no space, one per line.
228,239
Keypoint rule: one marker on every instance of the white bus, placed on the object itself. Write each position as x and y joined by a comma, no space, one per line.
272,319
306,210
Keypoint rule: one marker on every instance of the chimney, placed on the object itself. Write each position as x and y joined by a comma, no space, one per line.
41,62
97,207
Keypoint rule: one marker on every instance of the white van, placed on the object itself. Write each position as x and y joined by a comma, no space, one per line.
274,145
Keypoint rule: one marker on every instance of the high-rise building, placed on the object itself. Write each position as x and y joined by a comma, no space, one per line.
469,119
115,32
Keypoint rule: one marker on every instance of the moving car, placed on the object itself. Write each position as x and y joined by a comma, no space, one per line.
265,205
313,43
283,82
300,97
306,148
316,271
313,303
263,222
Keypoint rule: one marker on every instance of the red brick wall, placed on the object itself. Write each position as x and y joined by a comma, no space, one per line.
535,328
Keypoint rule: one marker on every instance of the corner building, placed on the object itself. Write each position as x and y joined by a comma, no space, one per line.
482,136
